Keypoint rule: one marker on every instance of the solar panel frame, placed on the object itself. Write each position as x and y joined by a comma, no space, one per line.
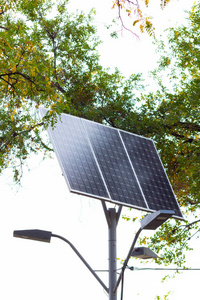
88,156
154,181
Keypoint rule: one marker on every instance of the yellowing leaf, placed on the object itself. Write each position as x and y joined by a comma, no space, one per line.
135,22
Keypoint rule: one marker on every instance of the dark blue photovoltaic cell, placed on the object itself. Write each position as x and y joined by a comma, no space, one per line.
111,164
150,173
78,163
114,164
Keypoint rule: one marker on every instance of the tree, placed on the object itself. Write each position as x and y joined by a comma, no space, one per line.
177,112
49,61
134,10
54,62
171,117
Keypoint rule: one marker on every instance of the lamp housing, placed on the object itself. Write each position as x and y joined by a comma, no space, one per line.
143,252
156,219
34,234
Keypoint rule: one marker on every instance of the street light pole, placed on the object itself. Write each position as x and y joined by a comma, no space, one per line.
112,253
45,236
151,221
126,261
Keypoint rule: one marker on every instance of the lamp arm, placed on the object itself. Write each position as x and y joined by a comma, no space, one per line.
83,260
127,260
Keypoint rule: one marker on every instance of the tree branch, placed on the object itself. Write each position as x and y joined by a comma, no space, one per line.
2,27
2,12
28,130
185,125
60,88
189,125
120,17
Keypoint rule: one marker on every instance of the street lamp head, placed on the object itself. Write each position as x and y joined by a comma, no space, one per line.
45,236
144,253
34,234
154,220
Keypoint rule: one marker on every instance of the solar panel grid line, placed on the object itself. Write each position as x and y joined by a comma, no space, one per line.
53,141
90,175
73,166
133,169
144,157
171,189
111,145
106,155
68,165
96,161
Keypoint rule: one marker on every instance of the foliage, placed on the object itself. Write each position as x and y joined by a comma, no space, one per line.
176,109
48,57
51,60
172,119
164,298
136,11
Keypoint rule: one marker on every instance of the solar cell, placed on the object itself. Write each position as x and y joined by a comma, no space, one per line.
150,173
111,164
114,164
74,153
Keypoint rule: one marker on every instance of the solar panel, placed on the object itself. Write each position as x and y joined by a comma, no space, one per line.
150,173
76,158
112,165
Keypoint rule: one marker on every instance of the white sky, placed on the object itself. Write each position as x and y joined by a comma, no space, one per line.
33,270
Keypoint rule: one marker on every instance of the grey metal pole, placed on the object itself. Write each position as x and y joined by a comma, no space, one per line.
83,260
127,259
112,253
